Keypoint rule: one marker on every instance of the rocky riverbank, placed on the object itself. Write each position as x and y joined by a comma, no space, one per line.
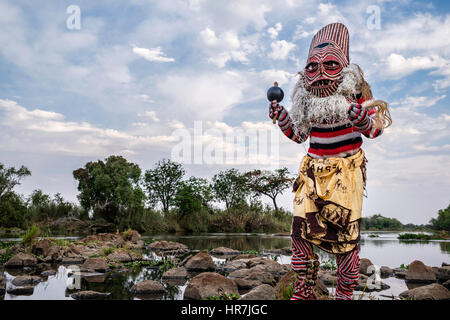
172,269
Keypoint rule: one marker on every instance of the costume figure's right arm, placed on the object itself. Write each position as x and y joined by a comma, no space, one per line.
285,123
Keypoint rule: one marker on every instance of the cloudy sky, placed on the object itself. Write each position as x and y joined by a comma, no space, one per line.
122,76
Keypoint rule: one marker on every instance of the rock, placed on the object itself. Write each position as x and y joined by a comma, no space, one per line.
89,295
73,260
21,291
48,273
445,264
209,284
54,254
386,271
285,287
251,278
168,248
119,256
400,273
420,273
445,284
224,251
42,247
369,284
329,278
432,291
201,262
2,285
148,287
261,292
94,264
26,280
234,265
175,273
114,240
365,266
442,274
21,260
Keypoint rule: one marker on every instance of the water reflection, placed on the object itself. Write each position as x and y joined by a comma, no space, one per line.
383,250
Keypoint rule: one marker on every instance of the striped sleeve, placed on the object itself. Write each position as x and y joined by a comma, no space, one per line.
368,126
286,126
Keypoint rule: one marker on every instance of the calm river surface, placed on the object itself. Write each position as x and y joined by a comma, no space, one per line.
382,248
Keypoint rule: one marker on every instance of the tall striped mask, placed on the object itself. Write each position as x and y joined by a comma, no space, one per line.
328,55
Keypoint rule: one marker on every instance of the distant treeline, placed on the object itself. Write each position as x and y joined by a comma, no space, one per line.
163,199
378,222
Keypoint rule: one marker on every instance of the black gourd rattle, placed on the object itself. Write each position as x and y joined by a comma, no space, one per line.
275,93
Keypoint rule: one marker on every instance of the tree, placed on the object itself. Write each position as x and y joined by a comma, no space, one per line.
230,186
163,182
13,211
442,222
193,195
109,188
269,183
11,177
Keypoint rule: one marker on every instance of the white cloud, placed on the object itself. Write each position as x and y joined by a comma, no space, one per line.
415,102
154,54
281,49
398,66
225,47
273,31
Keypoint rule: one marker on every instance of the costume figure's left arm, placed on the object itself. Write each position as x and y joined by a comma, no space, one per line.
364,120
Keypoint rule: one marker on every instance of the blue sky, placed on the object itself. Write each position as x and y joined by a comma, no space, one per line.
137,70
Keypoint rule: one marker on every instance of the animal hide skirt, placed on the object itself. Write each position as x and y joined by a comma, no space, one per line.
328,202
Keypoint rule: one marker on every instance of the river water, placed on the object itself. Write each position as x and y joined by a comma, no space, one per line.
382,248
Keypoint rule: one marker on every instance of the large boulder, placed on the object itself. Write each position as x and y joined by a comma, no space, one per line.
442,274
42,247
108,239
200,262
175,273
21,260
366,266
263,265
251,278
209,284
168,248
418,272
148,287
21,291
26,280
94,265
386,271
447,284
261,292
432,291
89,295
119,256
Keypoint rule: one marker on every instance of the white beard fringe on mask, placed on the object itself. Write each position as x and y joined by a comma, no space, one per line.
308,109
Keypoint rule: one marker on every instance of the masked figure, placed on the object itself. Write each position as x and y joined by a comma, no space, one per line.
332,105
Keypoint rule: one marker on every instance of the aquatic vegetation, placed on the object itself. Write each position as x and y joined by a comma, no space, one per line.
330,264
31,235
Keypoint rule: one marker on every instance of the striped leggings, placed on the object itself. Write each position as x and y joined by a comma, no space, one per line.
347,272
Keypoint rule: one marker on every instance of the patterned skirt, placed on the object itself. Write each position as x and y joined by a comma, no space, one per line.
328,202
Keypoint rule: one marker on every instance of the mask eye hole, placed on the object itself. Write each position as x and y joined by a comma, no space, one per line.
311,67
331,65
